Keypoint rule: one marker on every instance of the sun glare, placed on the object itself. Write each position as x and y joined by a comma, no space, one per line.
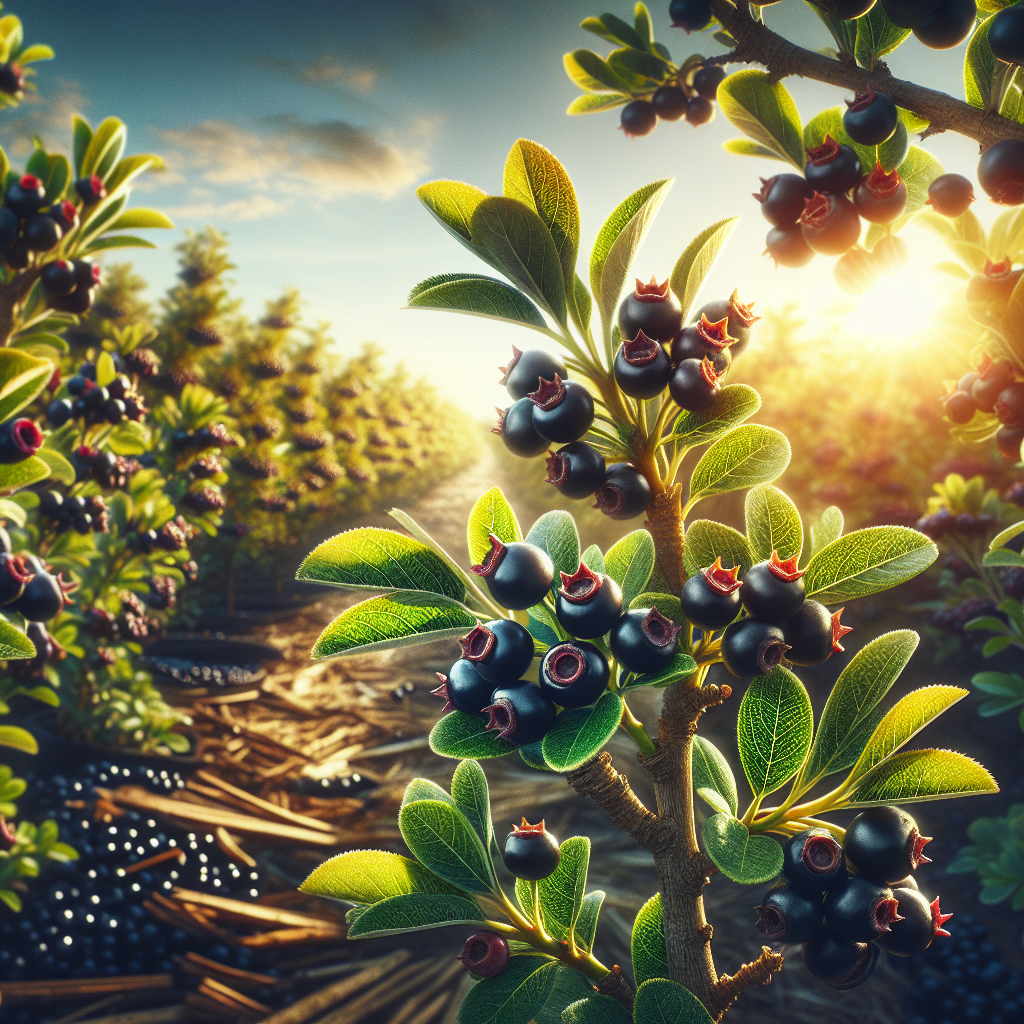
900,306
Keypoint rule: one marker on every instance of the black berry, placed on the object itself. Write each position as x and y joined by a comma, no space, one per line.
1009,406
699,111
65,214
41,233
58,412
20,439
707,80
959,407
858,910
518,575
563,410
773,591
1006,35
525,370
951,195
751,647
710,598
643,640
651,308
1008,441
17,256
908,13
485,954
12,79
870,118
920,922
704,339
782,198
573,674
738,314
695,384
884,844
43,597
642,368
841,965
10,227
531,852
949,24
669,102
880,198
638,117
500,650
830,224
692,15
517,432
812,862
1001,172
91,189
788,247
14,575
588,604
576,469
832,167
992,378
786,916
25,196
520,714
625,492
814,634
58,278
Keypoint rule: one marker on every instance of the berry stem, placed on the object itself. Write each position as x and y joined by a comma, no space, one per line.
636,732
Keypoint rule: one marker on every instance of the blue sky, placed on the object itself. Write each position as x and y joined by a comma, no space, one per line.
301,130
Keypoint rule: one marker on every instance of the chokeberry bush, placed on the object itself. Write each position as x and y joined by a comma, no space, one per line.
556,638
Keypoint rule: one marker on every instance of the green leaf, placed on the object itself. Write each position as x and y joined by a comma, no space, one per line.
513,996
618,242
13,642
980,67
707,540
44,695
580,733
128,438
33,53
763,110
680,667
368,558
903,722
660,1001
59,467
118,242
369,876
915,775
866,562
739,855
918,171
712,774
17,738
414,913
491,514
668,604
105,148
596,102
469,791
895,149
774,730
876,36
105,369
747,147
747,456
732,405
647,944
462,735
141,218
1002,538
586,923
592,73
593,559
596,1009
561,893
614,29
644,27
477,295
826,530
773,523
851,711
630,562
555,532
694,267
570,986
22,378
452,204
16,475
11,899
12,511
514,240
398,619
425,789
441,838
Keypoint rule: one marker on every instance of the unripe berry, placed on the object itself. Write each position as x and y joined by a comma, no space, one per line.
531,852
643,640
638,118
669,102
884,844
642,368
951,195
786,916
520,714
695,384
832,167
625,493
1001,172
573,674
830,224
773,591
841,965
707,80
880,198
576,469
948,25
751,647
782,198
812,862
485,954
788,247
518,575
517,432
704,339
814,634
525,370
500,650
692,15
699,111
920,922
651,308
710,598
563,410
1006,35
588,604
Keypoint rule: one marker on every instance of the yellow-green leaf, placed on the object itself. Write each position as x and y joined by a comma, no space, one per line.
491,514
368,876
916,775
763,109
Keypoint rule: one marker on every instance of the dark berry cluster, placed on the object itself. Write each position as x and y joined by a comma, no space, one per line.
994,387
67,512
83,398
132,622
942,523
107,469
843,919
955,619
690,97
172,536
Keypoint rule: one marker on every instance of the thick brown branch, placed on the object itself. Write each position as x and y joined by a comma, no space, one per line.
616,986
598,780
665,523
758,44
730,986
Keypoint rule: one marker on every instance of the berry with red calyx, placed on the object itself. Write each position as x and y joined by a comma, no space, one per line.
531,852
20,439
786,916
91,189
42,233
710,598
830,224
651,308
859,910
576,469
588,604
44,595
10,227
884,844
58,412
643,640
773,590
704,339
1009,440
814,634
25,196
948,25
485,954
856,272
870,118
788,247
12,79
706,80
782,198
625,493
880,198
520,713
500,650
120,387
65,214
517,432
695,384
951,195
738,314
1001,172
638,117
87,273
525,370
832,167
699,111
1006,35
207,499
1009,407
890,253
17,256
959,407
573,674
642,368
841,965
58,278
563,411
812,862
920,922
751,647
518,575
993,376
669,102
14,575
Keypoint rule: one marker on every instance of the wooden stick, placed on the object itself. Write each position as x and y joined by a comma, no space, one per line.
392,748
193,963
264,805
231,848
228,698
87,1011
74,988
284,936
212,985
387,993
254,911
172,853
444,983
427,1014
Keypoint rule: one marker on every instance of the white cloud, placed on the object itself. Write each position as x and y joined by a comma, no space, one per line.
252,208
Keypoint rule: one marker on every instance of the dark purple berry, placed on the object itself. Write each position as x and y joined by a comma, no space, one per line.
858,910
669,102
884,844
41,233
707,80
573,674
518,575
25,196
812,861
705,339
500,650
959,407
485,954
58,278
870,118
782,198
625,493
17,256
651,308
643,640
1001,172
517,432
464,689
1009,407
695,384
991,381
65,214
10,227
692,15
699,111
814,634
14,575
841,965
773,591
58,412
920,922
531,852
739,317
638,118
880,198
832,167
751,647
1009,440
908,13
520,714
20,439
830,224
710,598
1006,35
563,410
786,916
44,595
948,25
788,248
576,469
91,189
588,604
12,79
525,370
642,369
951,195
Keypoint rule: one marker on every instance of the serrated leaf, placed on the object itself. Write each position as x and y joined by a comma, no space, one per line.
477,295
368,558
452,204
774,730
15,475
711,771
414,913
732,405
470,793
764,110
694,266
580,733
398,619
647,944
707,540
596,1009
915,775
773,523
630,562
441,838
851,711
739,855
491,514
749,455
22,378
660,1001
513,996
462,735
586,923
17,738
680,667
369,876
555,532
866,562
561,893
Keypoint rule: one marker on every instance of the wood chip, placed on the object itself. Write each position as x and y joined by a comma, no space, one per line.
203,967
253,912
75,988
232,849
265,805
